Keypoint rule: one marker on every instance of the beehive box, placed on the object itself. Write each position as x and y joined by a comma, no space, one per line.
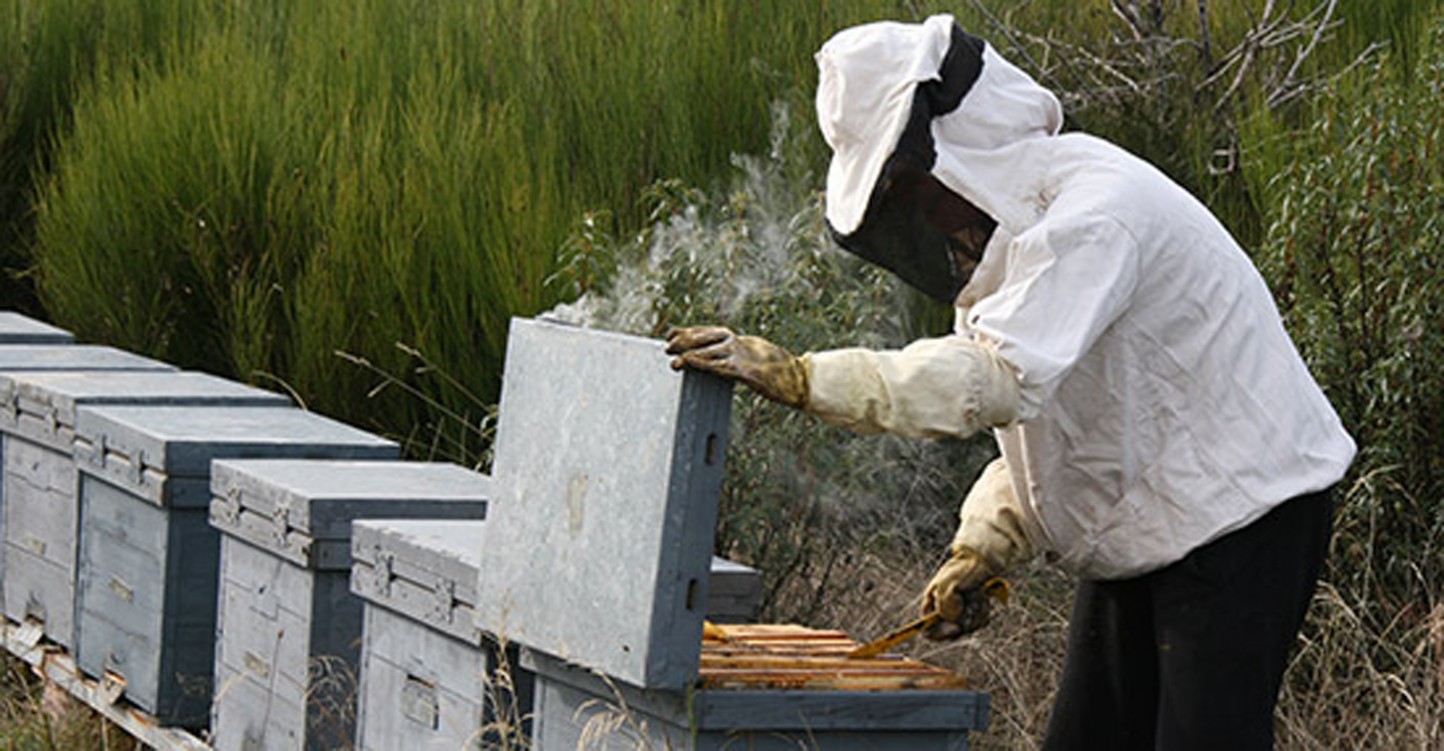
605,460
289,629
427,675
762,688
147,561
611,462
19,329
28,358
39,481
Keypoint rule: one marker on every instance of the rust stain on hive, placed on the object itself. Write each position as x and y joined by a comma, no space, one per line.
796,657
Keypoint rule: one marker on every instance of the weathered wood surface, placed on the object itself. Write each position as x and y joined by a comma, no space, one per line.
290,629
148,561
102,696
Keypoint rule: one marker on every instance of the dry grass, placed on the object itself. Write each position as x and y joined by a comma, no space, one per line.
1354,682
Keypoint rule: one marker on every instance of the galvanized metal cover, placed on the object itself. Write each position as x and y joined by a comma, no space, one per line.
608,466
287,505
19,329
74,357
41,404
139,447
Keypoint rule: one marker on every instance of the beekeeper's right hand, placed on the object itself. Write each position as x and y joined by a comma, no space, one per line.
989,541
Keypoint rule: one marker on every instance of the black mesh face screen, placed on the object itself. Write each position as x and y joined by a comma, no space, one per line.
893,233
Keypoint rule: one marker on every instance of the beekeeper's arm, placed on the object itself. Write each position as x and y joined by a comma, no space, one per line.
946,386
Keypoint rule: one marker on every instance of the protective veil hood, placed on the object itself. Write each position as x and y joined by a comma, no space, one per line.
932,97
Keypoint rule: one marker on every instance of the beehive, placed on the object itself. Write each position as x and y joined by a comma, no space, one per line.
609,463
19,329
289,629
147,563
763,688
29,358
427,669
40,477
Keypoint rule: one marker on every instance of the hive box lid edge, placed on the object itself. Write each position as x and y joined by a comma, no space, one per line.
51,397
125,443
16,328
322,497
73,357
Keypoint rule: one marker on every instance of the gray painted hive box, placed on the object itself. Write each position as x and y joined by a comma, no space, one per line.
428,673
734,592
289,629
20,329
762,688
27,358
147,561
607,470
38,420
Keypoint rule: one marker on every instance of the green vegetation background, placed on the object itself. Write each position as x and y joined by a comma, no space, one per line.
349,201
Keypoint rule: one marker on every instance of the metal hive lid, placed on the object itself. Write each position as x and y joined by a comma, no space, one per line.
422,568
20,329
38,404
73,357
608,466
139,447
292,507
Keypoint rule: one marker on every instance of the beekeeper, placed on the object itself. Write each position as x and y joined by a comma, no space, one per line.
1160,435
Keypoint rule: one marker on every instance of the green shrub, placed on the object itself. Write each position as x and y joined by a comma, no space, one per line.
1354,255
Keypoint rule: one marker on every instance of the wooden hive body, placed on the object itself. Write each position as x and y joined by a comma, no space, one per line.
427,670
147,560
289,629
765,688
40,514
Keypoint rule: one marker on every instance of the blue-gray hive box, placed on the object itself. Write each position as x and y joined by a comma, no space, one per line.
19,329
607,471
429,675
38,422
26,358
428,672
778,688
289,629
148,561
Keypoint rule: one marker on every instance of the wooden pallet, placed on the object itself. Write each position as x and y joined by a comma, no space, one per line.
796,657
25,641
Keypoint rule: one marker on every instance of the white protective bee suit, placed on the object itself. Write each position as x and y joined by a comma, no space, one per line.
1161,437
1158,403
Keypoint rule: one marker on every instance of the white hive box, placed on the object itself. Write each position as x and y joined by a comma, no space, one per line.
16,328
289,629
147,560
40,477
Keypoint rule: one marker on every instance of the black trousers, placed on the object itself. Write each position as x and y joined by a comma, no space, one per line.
1191,656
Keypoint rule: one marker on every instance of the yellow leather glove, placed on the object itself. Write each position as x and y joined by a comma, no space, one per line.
957,594
757,363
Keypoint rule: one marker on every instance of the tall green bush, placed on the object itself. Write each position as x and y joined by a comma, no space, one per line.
1355,257
286,181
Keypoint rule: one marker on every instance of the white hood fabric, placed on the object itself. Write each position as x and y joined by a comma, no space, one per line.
1163,404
